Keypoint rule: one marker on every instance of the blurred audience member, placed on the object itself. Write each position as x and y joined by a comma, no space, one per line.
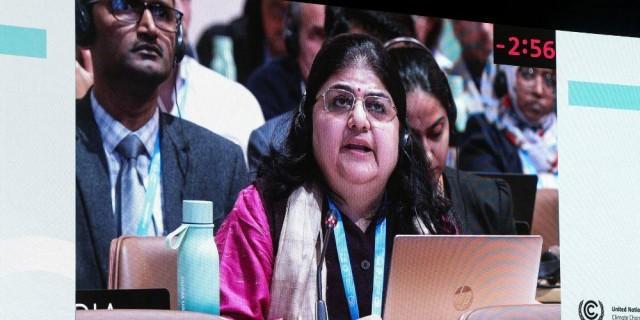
480,205
474,70
135,164
382,25
238,48
279,84
273,14
428,31
520,135
207,98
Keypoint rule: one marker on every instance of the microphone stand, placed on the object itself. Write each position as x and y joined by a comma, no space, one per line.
321,306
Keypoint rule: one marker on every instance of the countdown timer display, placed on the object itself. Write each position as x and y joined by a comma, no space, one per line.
524,46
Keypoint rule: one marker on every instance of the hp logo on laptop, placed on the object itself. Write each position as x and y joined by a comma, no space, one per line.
463,298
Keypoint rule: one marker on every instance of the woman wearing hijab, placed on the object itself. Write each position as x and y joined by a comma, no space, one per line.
520,135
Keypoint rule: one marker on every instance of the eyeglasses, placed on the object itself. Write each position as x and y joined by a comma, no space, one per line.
341,102
530,74
130,11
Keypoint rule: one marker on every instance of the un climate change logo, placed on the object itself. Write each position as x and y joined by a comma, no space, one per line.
591,310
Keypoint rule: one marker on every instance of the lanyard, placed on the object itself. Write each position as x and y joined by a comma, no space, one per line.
152,190
345,265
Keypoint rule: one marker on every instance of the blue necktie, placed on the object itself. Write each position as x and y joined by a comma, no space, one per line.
130,187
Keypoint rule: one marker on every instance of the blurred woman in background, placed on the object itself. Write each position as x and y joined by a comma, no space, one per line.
480,205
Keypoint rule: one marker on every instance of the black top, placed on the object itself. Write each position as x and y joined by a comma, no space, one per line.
361,252
361,247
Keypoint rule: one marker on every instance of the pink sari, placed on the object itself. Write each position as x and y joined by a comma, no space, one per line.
246,259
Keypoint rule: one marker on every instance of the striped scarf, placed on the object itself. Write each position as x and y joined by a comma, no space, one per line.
539,142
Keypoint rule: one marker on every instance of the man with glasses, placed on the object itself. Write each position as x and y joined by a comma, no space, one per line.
134,164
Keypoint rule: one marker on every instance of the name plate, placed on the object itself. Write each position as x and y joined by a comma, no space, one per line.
122,299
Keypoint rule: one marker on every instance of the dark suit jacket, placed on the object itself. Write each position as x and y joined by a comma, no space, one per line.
480,205
270,136
276,85
485,148
196,164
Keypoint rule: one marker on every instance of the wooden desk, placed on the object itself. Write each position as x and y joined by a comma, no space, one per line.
140,314
548,295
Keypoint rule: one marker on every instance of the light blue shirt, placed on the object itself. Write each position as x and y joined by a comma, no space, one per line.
112,133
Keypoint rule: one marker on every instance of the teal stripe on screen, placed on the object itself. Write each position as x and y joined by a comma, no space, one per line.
25,42
604,95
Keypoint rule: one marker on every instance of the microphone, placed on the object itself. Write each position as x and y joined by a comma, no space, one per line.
321,306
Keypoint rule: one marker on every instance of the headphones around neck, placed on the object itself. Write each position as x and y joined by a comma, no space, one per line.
85,31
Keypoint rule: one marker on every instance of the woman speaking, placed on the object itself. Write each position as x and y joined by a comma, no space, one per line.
349,159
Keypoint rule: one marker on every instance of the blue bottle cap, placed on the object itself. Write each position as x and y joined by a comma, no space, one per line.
196,211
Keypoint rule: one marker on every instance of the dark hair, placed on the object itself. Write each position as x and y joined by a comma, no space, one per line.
418,69
382,25
411,188
434,34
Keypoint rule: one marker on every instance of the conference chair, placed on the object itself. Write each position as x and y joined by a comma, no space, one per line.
143,263
545,218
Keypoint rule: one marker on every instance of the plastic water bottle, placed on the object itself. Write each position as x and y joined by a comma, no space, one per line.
223,61
198,261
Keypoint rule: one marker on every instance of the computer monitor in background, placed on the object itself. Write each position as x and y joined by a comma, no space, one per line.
523,194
